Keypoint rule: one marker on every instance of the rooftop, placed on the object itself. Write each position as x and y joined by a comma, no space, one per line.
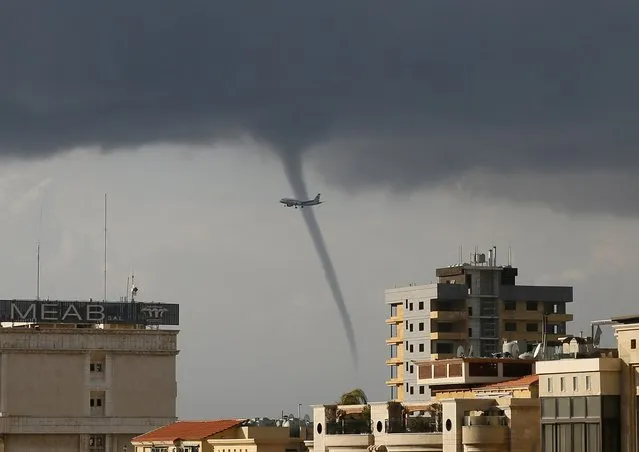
626,319
523,382
188,430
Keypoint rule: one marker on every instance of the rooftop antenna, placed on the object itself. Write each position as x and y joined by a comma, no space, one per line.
126,291
38,253
134,289
510,256
105,247
461,259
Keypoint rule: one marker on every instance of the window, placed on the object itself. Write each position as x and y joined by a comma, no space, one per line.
96,367
470,311
421,305
509,305
510,326
96,403
549,384
159,449
406,304
532,327
421,326
633,343
410,306
587,382
97,443
421,389
407,367
562,384
411,348
421,347
411,390
393,392
406,387
531,306
410,328
406,324
412,370
470,332
575,384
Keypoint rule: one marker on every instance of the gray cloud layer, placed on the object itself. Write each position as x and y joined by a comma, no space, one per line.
414,91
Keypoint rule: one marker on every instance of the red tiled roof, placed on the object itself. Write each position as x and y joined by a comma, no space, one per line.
518,383
188,430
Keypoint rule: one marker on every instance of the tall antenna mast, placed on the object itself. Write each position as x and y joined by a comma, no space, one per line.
38,247
105,247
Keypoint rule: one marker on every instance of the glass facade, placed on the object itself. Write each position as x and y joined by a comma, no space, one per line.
580,424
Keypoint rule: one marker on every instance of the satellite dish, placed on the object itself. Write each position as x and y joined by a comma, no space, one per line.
460,351
536,352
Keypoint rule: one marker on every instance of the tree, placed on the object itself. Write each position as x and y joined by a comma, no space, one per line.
354,397
354,422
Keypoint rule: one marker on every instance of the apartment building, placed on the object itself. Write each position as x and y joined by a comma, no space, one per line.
84,376
473,307
589,399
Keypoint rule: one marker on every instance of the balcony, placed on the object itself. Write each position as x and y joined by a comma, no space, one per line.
415,424
521,314
449,316
397,381
394,361
437,356
419,434
485,432
349,427
559,318
394,340
448,336
545,294
394,319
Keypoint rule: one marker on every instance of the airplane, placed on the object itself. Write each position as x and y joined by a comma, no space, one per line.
290,202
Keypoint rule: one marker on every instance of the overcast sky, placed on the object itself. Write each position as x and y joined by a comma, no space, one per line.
425,126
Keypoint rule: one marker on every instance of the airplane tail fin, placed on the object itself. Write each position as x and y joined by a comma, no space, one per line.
317,198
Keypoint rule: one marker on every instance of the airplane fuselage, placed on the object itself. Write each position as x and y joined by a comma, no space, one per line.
290,202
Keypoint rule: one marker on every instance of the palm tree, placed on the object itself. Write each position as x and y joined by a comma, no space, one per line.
354,397
357,422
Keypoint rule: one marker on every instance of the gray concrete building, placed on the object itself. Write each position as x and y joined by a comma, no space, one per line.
472,309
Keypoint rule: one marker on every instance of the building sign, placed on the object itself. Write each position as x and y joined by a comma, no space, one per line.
50,311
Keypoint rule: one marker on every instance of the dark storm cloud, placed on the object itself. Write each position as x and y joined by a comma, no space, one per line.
415,89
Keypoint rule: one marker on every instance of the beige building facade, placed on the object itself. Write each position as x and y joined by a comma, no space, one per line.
81,387
450,425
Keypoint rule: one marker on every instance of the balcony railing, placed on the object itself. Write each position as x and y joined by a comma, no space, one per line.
413,425
478,421
349,427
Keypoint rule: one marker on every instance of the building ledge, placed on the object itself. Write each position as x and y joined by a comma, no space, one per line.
81,425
